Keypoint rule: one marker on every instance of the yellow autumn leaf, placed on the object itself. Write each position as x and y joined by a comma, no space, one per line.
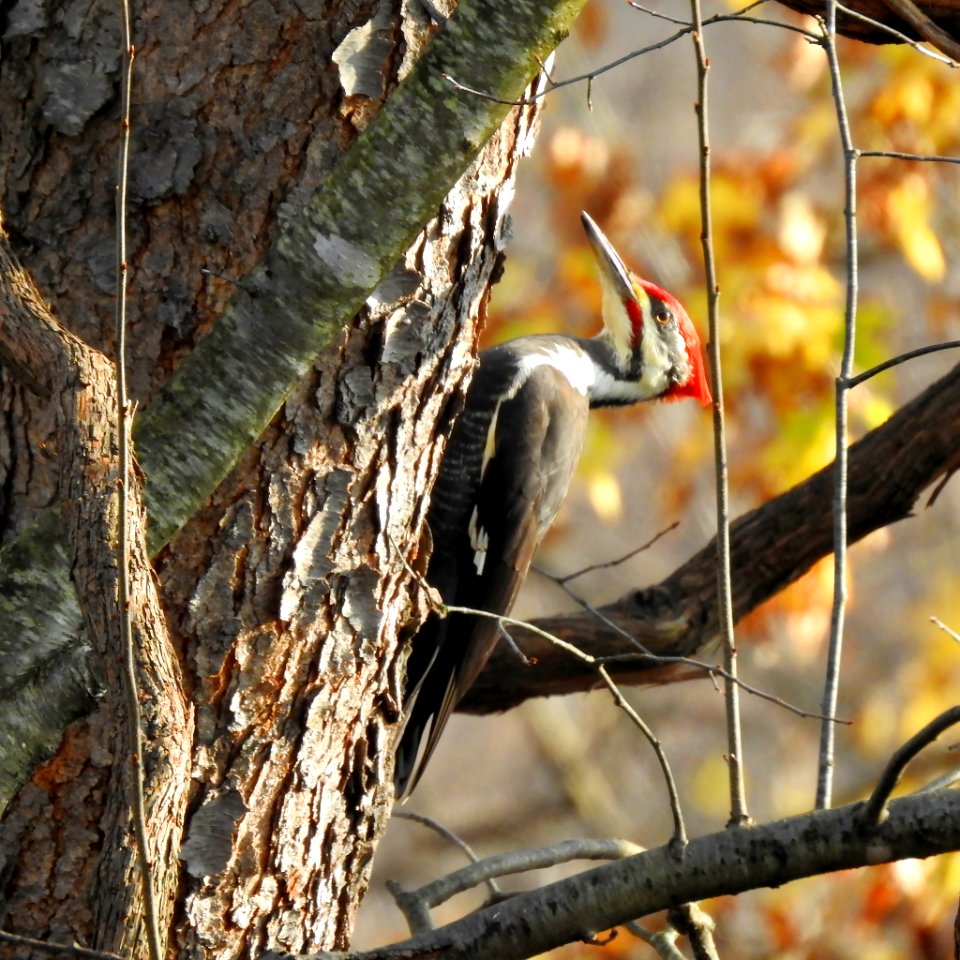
603,491
910,98
908,209
711,790
801,231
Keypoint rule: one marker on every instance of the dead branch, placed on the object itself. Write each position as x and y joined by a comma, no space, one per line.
723,863
771,547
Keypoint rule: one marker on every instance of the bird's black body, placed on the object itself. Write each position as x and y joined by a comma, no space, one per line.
507,467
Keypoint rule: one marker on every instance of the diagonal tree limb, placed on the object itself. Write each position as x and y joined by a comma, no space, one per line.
718,864
333,254
771,547
890,15
924,26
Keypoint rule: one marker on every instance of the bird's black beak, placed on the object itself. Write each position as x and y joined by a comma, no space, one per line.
611,265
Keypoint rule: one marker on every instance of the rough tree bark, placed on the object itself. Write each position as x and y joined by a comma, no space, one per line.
81,383
287,592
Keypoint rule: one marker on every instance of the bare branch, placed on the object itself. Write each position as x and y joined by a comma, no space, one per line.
649,658
447,834
897,155
696,925
942,626
519,861
679,831
607,564
726,862
876,807
588,78
61,949
925,27
901,358
841,464
124,425
664,941
888,471
738,799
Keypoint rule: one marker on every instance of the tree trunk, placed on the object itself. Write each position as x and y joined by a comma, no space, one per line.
288,593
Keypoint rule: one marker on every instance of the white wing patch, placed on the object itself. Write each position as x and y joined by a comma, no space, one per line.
479,540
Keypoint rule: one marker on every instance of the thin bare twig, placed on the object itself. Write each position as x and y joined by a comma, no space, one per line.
64,949
738,16
714,670
897,155
626,58
838,611
415,905
901,358
124,418
679,828
697,926
522,861
738,800
414,910
450,835
559,84
607,564
644,653
679,831
940,783
663,941
875,808
951,633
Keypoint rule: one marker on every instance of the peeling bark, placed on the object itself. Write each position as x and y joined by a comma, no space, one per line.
287,594
294,650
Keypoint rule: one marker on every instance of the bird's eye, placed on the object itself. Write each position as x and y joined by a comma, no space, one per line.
663,315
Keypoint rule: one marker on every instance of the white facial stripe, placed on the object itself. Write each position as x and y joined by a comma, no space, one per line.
574,364
608,389
656,364
616,320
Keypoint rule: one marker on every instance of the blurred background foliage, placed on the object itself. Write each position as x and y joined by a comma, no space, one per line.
575,767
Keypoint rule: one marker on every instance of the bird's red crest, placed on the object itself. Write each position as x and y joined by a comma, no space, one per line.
636,320
697,385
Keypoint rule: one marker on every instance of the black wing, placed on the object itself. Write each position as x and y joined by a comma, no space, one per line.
505,473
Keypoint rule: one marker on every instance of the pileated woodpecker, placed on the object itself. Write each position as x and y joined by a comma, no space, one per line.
507,467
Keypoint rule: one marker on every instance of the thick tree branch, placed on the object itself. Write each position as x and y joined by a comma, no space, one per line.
333,254
771,547
942,15
722,863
